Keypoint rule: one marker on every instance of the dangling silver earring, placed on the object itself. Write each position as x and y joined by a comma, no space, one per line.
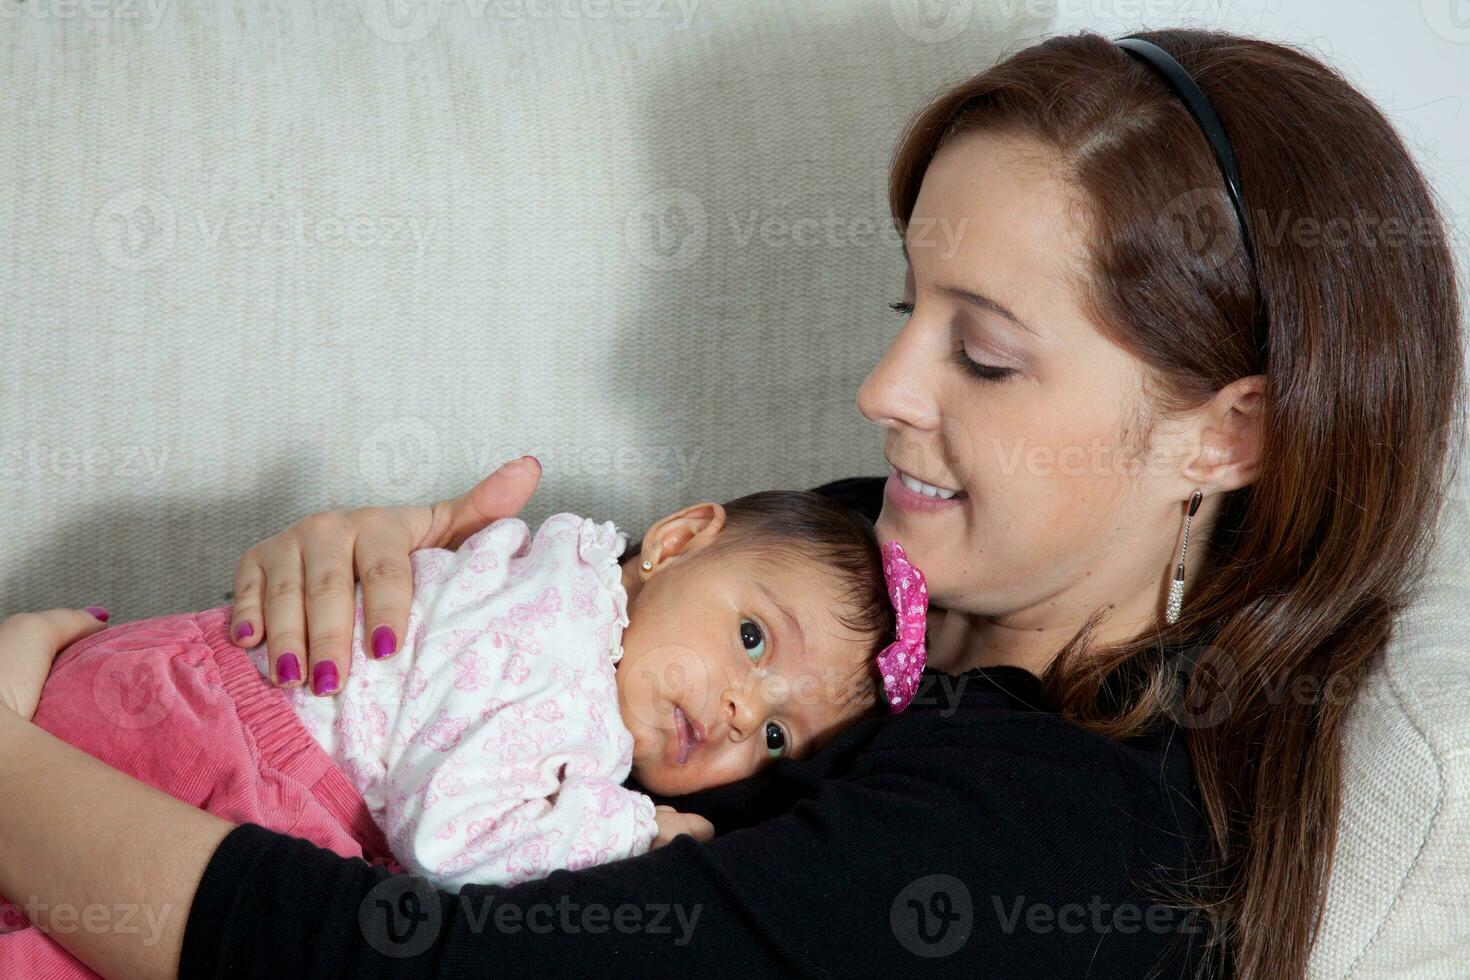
1176,587
647,565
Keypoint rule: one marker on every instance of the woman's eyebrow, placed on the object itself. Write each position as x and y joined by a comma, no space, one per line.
984,302
979,300
792,625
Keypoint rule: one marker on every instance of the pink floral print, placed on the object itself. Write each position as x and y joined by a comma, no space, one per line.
490,748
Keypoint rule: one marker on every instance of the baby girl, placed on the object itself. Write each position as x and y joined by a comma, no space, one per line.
537,674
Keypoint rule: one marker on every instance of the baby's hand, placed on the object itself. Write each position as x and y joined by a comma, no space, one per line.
672,823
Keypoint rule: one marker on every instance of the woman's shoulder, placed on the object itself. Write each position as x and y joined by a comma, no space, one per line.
1002,715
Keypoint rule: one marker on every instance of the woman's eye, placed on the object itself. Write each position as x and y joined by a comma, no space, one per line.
753,639
974,368
982,372
775,740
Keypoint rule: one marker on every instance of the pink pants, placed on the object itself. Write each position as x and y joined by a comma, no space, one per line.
174,703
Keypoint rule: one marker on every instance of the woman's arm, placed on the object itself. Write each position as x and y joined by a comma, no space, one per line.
105,864
973,824
1003,845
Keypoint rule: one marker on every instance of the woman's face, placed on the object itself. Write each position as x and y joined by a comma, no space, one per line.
998,388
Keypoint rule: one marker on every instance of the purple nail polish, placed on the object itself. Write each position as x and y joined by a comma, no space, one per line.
288,669
244,631
98,613
324,677
384,642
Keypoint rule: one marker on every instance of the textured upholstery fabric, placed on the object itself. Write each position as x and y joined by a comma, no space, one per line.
1398,903
262,259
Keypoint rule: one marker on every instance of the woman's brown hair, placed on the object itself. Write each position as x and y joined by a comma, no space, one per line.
1350,311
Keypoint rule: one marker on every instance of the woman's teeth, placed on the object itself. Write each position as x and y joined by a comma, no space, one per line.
927,489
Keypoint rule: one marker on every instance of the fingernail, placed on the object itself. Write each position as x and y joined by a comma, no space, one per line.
244,631
324,677
534,460
288,669
384,642
98,613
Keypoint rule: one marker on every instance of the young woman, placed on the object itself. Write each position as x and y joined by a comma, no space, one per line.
1093,780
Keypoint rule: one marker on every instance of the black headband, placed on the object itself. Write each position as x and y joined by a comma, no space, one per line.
1199,107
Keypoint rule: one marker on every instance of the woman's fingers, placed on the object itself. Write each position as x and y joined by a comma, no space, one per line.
383,547
386,574
283,614
503,493
247,625
331,605
296,591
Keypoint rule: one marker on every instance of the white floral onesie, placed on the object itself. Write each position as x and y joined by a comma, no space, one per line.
490,749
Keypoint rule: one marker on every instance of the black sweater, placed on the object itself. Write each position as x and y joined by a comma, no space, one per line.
976,833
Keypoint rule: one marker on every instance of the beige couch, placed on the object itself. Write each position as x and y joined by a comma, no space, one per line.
268,258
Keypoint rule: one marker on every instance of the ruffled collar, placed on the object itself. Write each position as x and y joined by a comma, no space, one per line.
599,545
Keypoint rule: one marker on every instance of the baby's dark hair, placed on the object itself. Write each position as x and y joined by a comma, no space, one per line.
808,527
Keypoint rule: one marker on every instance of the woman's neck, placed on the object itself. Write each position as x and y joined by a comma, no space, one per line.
960,641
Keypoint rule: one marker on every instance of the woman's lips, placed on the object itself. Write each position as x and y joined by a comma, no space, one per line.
906,499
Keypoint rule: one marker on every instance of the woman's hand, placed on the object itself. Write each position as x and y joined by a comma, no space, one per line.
296,590
29,642
672,823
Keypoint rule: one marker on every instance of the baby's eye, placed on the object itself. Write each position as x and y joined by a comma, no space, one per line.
752,639
775,740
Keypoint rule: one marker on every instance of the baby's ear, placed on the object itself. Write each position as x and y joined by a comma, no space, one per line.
684,532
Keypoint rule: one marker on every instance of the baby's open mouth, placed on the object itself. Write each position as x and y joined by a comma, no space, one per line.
688,734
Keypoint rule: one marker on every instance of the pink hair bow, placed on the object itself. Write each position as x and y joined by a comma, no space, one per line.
902,661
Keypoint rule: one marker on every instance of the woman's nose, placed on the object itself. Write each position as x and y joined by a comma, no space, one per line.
897,391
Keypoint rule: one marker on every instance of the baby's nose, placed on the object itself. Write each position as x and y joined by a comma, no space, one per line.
739,712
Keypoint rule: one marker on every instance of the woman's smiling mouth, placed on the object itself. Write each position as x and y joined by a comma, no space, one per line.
908,492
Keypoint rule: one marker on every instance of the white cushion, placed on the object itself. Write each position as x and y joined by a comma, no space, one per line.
1398,902
269,258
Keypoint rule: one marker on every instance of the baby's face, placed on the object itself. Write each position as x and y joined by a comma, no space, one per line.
729,663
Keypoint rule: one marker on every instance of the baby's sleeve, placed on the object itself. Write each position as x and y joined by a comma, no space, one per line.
520,817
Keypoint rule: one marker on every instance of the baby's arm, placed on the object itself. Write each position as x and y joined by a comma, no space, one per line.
518,820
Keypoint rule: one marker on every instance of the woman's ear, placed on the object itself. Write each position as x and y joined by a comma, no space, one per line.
682,533
1229,436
